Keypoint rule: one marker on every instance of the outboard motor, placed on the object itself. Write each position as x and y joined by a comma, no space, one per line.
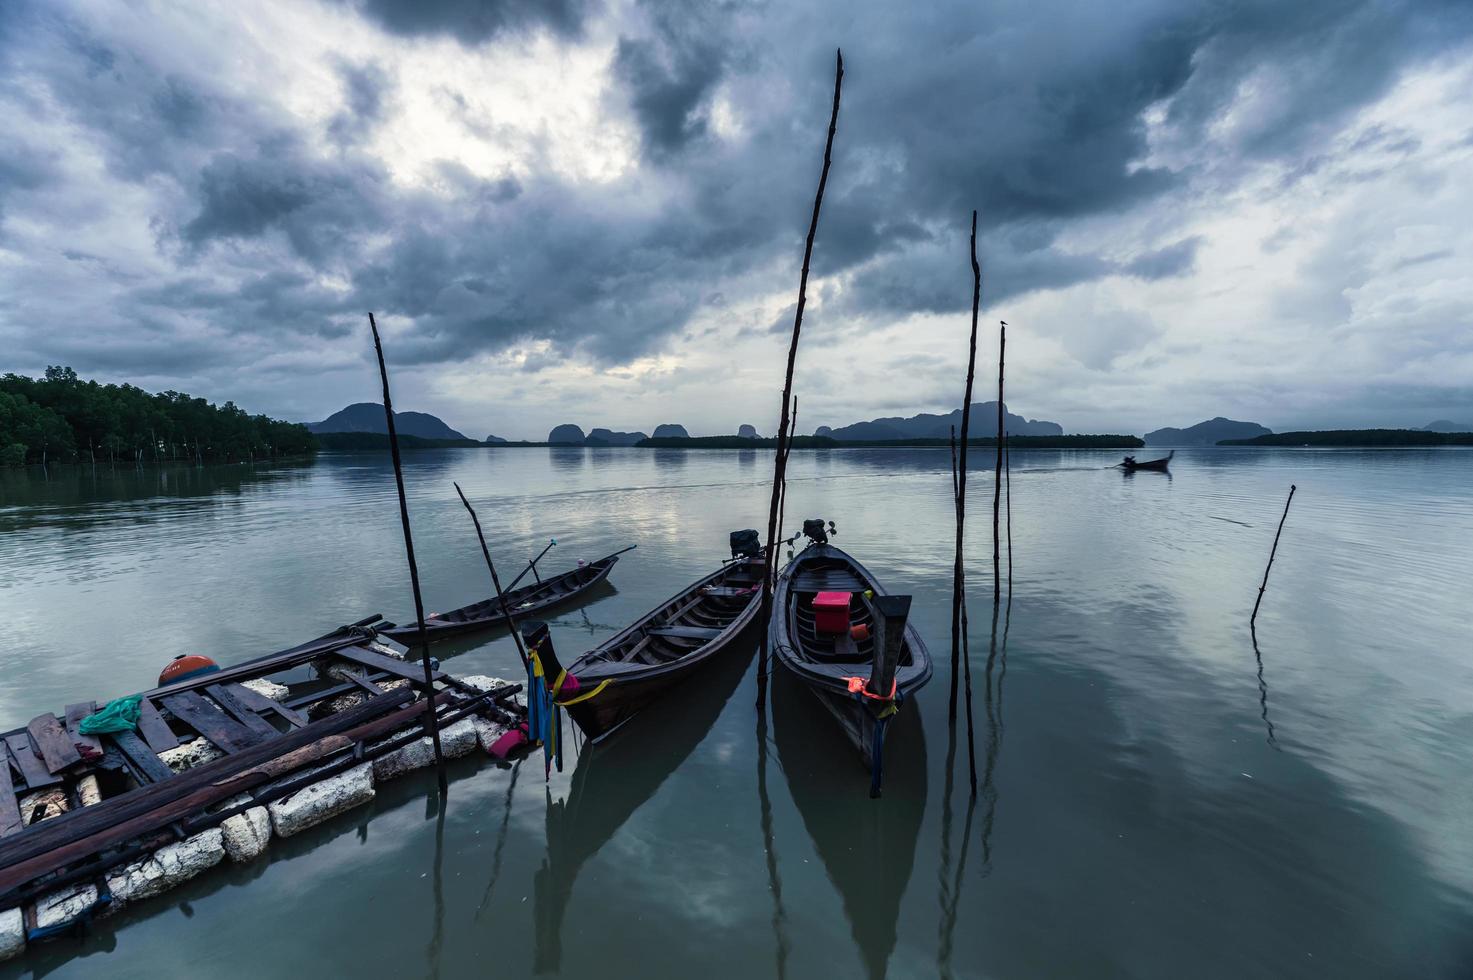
746,544
813,530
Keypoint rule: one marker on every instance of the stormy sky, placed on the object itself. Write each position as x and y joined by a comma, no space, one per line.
592,212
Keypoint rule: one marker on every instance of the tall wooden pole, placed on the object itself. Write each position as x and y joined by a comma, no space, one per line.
432,721
780,466
1002,347
495,581
1007,472
1273,551
958,573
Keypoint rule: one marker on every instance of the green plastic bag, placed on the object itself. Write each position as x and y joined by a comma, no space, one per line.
115,716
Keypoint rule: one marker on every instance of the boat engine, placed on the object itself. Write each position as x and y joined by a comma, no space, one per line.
746,544
813,530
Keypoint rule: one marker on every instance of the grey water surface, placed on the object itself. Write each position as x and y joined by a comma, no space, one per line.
1157,798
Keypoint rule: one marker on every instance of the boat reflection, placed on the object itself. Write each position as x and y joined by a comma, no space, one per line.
614,780
867,846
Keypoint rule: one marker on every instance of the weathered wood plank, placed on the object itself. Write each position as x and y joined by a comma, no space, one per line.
74,715
240,711
144,761
31,768
262,704
10,821
413,672
57,750
211,721
153,729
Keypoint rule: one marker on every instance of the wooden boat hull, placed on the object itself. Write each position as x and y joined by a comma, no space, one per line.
524,603
642,665
803,653
1150,464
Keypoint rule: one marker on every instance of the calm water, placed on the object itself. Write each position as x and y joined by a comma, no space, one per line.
1155,799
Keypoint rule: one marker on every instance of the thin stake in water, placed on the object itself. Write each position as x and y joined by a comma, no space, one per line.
432,721
1273,551
495,581
1002,347
780,466
959,477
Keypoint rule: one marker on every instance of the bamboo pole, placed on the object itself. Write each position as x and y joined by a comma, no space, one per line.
780,465
495,581
966,655
1273,551
432,722
1002,347
959,477
1007,472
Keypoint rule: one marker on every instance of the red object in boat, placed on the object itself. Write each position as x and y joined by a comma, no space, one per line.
185,666
831,612
859,632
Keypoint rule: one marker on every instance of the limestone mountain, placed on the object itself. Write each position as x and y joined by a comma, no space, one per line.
369,417
926,426
1207,433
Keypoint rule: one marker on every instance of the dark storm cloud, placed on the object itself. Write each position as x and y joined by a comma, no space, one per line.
473,21
1030,110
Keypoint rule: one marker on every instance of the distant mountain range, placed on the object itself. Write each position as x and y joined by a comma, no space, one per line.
983,423
1207,433
1443,425
369,417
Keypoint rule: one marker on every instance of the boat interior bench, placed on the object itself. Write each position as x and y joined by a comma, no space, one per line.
835,581
684,632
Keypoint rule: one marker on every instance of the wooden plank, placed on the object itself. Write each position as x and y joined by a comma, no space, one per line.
262,704
376,661
50,736
240,711
10,821
145,762
74,715
207,718
685,632
30,766
154,730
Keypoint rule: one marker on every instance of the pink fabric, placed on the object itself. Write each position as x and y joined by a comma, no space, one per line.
570,686
509,742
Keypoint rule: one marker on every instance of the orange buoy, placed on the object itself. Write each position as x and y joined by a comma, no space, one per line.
859,632
185,666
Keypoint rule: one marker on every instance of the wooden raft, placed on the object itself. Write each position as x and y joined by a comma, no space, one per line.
263,743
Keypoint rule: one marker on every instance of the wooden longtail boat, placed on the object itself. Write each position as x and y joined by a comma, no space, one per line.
528,601
615,680
863,674
1151,464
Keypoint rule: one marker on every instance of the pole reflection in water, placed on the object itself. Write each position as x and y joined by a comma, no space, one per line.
774,879
613,780
1263,691
511,790
437,803
867,846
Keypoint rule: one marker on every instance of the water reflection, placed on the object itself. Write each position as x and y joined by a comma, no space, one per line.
566,459
1262,689
670,459
614,780
511,788
867,846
